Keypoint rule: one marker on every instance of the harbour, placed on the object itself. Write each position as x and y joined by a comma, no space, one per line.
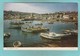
33,39
40,25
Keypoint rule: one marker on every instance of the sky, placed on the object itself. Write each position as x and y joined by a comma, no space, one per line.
41,7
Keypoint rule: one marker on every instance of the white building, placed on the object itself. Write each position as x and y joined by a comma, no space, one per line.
66,16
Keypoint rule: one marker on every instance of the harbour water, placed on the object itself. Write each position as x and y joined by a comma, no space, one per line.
31,39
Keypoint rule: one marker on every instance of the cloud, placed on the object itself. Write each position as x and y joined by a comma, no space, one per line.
25,7
41,7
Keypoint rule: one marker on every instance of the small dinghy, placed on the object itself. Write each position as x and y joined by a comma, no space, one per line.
17,44
7,35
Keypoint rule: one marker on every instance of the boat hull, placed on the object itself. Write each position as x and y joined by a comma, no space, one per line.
17,44
35,30
58,36
55,38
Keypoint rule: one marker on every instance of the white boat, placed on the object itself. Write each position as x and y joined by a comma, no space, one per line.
16,23
71,31
39,24
32,28
53,35
7,35
74,31
17,44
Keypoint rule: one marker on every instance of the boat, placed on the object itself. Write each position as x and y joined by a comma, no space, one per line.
29,22
74,31
27,19
71,31
17,44
39,24
66,31
7,35
53,35
16,25
34,28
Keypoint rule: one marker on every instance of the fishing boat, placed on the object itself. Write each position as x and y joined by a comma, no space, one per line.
53,35
39,24
66,31
7,35
34,28
71,31
17,44
29,22
16,25
74,31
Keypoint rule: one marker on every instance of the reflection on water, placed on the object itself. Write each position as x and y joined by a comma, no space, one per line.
33,39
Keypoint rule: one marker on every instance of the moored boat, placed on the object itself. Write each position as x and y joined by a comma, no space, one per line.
16,24
17,44
33,28
53,35
73,32
39,24
7,35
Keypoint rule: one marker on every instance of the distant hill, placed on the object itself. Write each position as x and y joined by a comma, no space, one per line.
16,15
55,16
